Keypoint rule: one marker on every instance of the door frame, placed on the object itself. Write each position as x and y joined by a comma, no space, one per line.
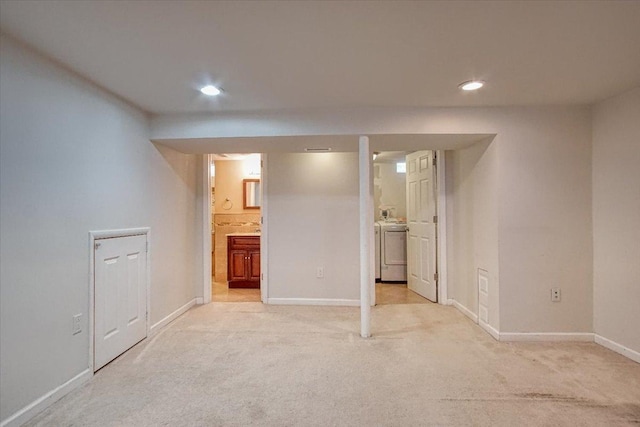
264,230
205,182
111,234
441,228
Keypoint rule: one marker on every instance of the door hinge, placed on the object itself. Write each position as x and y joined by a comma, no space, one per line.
97,245
434,162
261,220
435,219
147,247
435,276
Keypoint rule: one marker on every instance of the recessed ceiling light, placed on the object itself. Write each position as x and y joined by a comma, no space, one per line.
210,90
471,85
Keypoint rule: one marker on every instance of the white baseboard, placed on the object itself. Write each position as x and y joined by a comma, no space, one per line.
464,310
42,403
546,336
199,300
171,317
314,301
491,330
618,348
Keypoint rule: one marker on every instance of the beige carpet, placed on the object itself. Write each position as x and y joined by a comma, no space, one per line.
242,364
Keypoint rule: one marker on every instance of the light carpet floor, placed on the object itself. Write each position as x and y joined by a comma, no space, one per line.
248,364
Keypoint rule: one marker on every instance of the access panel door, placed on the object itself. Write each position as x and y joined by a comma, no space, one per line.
120,304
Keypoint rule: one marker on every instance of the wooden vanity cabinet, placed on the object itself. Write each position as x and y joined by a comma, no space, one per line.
243,261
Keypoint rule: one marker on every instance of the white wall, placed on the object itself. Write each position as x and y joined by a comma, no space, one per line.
313,222
544,190
545,221
73,159
389,190
472,225
616,219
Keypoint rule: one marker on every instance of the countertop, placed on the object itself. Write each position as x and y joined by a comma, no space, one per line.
256,233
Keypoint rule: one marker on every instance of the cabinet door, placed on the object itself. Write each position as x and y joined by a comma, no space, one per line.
237,264
254,265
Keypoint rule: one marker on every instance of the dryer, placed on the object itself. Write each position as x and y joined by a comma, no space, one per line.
393,252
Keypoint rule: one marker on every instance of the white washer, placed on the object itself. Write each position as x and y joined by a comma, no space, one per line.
393,252
376,237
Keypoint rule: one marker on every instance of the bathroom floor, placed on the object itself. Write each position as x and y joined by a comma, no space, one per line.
220,292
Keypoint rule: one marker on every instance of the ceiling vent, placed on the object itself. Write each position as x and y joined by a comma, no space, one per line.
317,150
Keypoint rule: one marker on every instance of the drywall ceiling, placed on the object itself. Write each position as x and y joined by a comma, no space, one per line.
292,55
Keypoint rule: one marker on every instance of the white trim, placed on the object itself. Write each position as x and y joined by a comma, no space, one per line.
264,230
171,317
490,330
546,336
123,232
34,408
314,301
618,348
112,234
206,227
367,273
464,310
199,300
474,318
441,228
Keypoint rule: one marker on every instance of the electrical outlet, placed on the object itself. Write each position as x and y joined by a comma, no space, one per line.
555,295
320,272
76,324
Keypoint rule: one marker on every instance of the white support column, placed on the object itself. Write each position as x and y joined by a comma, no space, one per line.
443,290
366,227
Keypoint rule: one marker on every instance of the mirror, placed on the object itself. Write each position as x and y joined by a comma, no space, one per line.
251,193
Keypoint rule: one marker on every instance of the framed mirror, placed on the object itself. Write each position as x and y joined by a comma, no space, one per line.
251,193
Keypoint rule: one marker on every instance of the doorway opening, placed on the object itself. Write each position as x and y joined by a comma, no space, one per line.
235,214
405,206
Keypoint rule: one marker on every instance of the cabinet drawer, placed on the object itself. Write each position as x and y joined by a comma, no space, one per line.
238,242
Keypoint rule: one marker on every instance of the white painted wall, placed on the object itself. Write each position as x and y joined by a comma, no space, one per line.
313,222
544,190
73,159
389,190
616,219
472,225
545,220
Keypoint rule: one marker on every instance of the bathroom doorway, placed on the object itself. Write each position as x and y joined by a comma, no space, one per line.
236,216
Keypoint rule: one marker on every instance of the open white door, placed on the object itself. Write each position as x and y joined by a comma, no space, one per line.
120,296
421,222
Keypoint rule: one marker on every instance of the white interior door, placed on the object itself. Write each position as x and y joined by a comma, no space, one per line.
421,211
120,296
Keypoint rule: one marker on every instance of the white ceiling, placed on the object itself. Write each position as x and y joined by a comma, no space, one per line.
290,55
